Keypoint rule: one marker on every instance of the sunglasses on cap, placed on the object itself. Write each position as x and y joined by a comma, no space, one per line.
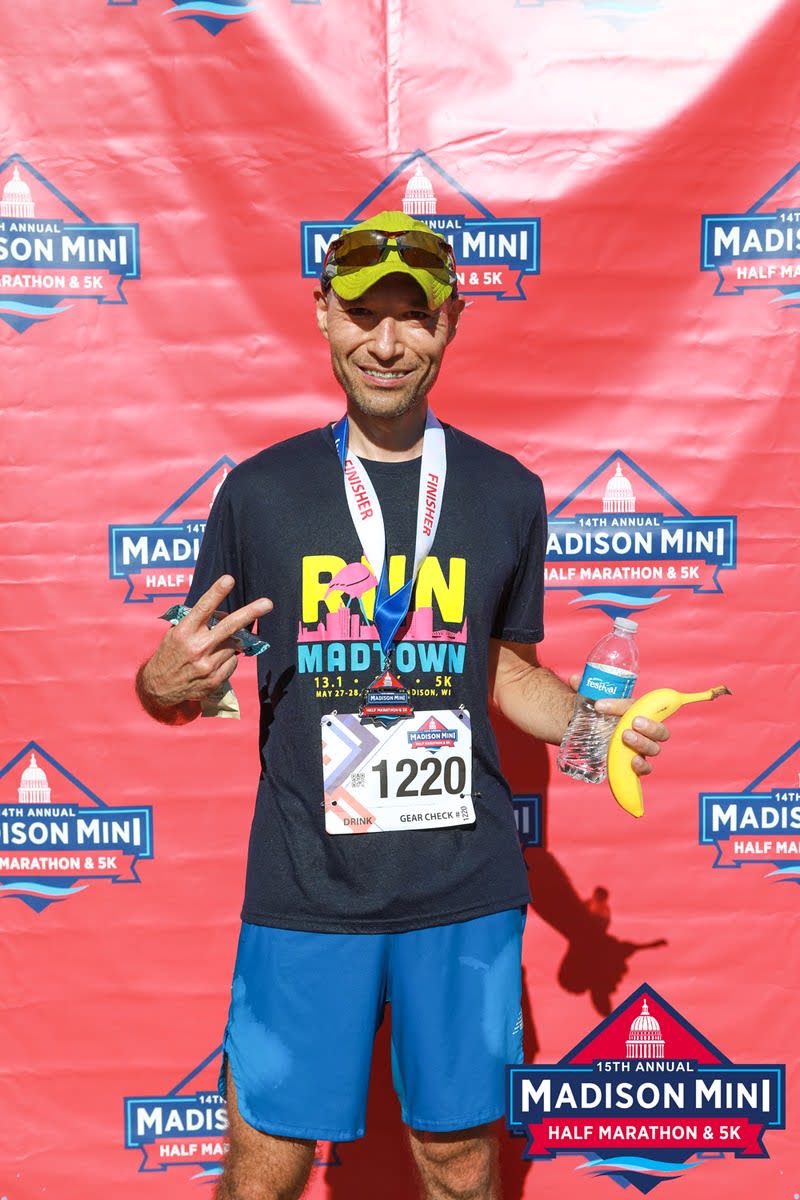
366,248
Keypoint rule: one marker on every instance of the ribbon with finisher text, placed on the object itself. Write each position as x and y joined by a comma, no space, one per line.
409,770
391,608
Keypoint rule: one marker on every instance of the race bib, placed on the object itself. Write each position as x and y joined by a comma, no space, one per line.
417,774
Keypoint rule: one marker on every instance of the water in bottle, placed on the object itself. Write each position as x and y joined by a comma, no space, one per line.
610,673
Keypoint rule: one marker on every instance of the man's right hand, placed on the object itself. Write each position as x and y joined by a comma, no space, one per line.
192,660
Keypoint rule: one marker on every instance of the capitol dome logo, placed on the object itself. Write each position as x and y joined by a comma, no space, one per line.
495,256
623,544
57,837
52,255
645,1098
645,1039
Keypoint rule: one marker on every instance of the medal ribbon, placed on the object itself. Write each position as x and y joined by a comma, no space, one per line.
391,608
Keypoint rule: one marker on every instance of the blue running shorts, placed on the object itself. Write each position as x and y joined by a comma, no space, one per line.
305,1008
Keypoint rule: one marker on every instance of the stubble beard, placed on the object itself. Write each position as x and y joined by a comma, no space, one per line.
388,407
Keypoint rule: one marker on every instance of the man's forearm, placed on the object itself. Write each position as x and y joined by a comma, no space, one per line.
528,694
539,703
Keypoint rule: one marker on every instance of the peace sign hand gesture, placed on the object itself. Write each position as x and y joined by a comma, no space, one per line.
193,661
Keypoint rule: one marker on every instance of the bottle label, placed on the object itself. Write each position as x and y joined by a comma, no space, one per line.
606,683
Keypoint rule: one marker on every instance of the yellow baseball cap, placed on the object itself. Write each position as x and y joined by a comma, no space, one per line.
390,243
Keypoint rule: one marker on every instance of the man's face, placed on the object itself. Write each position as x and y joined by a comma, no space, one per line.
386,346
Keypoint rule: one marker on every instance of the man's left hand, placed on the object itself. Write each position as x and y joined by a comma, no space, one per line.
645,737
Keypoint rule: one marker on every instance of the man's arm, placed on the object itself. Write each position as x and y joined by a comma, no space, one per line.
539,703
193,661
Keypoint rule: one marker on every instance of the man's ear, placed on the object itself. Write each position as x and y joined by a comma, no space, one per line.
455,309
321,302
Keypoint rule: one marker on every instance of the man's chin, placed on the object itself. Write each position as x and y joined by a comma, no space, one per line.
384,402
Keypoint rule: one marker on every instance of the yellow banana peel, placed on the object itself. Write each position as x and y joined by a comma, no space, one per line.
658,705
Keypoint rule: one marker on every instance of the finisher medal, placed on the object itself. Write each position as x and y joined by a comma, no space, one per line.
385,701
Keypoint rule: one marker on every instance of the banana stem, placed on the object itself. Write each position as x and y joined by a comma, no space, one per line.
711,694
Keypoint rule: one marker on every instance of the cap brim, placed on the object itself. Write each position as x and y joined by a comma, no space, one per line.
435,284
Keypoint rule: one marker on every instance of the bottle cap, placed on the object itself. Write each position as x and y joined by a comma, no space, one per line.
626,623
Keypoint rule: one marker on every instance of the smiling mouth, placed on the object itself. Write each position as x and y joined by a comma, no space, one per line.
384,376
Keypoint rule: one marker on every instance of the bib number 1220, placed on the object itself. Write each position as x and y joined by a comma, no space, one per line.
407,777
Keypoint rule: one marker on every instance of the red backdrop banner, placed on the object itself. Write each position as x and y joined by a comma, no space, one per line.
620,180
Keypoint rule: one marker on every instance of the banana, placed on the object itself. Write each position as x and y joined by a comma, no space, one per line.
658,705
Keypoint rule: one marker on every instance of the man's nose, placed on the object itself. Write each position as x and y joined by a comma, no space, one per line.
385,338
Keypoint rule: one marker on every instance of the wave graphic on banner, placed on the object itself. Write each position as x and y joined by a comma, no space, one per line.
622,1169
210,1175
787,300
790,874
619,13
33,312
230,12
49,892
616,600
213,15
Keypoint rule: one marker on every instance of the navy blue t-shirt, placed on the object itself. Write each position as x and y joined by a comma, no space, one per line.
281,527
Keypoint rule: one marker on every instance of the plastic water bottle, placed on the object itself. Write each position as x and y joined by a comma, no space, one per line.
610,674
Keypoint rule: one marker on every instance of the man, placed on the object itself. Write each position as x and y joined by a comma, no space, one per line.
412,556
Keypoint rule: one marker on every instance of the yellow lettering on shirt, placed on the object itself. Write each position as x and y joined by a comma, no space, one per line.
432,584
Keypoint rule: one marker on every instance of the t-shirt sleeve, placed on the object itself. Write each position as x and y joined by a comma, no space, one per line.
520,616
220,552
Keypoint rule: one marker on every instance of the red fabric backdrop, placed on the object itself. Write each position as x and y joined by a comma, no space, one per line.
620,182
